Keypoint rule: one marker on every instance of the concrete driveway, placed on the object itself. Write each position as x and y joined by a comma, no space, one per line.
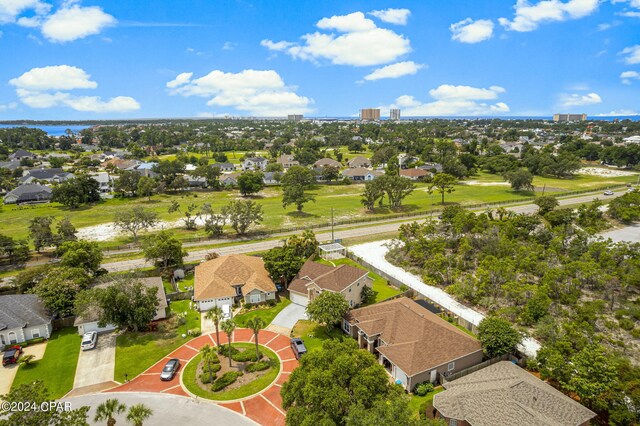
288,317
7,374
97,365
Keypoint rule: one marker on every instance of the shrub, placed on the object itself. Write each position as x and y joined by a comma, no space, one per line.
244,356
272,303
258,366
194,332
204,377
225,380
532,364
423,388
636,333
626,324
36,340
224,350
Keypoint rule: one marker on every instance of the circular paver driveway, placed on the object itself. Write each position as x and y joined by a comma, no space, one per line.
264,408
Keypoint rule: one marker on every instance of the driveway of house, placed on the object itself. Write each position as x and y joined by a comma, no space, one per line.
287,318
97,365
8,373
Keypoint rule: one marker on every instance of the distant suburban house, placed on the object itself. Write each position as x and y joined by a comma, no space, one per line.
229,279
29,193
23,317
229,179
121,164
505,394
359,161
327,162
104,179
414,174
9,165
89,320
56,175
361,174
632,139
255,163
314,278
431,167
287,161
271,178
196,181
413,344
20,154
225,167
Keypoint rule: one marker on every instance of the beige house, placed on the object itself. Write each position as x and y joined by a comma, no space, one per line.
327,162
505,394
228,279
413,344
314,278
287,161
359,161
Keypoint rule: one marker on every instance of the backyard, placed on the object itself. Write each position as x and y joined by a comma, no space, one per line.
314,334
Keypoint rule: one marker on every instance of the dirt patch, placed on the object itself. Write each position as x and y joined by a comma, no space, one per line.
478,183
603,172
247,377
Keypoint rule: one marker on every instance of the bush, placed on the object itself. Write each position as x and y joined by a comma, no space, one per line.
272,303
194,332
258,366
224,350
636,333
244,356
225,380
36,340
532,364
423,388
626,324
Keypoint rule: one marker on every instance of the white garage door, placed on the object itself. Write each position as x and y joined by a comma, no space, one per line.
299,299
93,326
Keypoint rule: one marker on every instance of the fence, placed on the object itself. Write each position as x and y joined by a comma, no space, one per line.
444,378
59,323
180,295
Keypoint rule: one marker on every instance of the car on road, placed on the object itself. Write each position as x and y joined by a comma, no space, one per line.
89,340
11,355
608,192
298,347
630,190
170,369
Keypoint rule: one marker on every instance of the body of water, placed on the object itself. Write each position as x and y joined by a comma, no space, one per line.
51,130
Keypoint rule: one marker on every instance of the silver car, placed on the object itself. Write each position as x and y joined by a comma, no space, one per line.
89,340
170,369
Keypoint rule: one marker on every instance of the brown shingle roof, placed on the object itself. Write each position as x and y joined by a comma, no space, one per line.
215,278
505,394
416,339
326,277
330,162
359,161
413,172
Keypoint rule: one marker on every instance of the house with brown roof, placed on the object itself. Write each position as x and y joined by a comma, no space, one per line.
359,161
414,174
314,278
287,161
229,279
413,344
327,162
505,394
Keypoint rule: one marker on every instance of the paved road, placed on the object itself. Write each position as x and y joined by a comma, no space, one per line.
629,233
97,365
168,410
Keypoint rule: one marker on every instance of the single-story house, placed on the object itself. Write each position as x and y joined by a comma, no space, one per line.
23,317
46,175
228,279
225,167
287,161
327,162
29,193
9,165
359,161
413,344
430,167
271,178
314,278
20,154
229,179
505,394
414,174
255,163
361,174
89,320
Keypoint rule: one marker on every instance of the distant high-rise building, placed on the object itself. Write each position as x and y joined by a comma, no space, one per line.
370,114
294,117
394,114
561,118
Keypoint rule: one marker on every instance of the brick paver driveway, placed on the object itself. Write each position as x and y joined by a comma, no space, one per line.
264,408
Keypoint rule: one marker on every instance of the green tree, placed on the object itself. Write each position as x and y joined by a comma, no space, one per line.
327,308
295,183
208,361
241,214
213,222
444,183
626,208
28,278
138,413
163,249
135,220
546,203
211,174
40,232
593,377
65,231
397,189
303,245
256,324
228,326
250,182
58,290
107,410
81,254
367,296
282,263
127,182
215,314
520,179
373,191
329,174
74,192
497,336
146,187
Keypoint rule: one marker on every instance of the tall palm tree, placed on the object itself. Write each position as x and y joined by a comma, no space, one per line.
228,326
215,315
207,352
138,413
256,324
108,409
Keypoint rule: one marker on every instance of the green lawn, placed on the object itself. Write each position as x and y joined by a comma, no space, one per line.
314,334
189,376
57,368
267,313
418,403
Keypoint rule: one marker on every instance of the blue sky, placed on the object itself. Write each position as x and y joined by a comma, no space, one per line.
146,59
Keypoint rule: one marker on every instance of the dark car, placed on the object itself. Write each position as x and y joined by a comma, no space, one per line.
298,347
170,369
11,355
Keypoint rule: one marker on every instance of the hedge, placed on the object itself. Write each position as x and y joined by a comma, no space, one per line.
225,380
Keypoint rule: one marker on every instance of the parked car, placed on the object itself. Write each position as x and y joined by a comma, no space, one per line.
608,192
298,347
170,369
226,312
11,355
89,340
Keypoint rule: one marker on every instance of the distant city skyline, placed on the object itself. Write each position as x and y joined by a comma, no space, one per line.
89,60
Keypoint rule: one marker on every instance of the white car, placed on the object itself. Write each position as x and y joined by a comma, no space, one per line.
226,312
607,192
89,340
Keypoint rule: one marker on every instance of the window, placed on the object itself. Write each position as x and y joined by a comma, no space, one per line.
13,338
254,298
35,333
358,284
453,422
2,341
349,290
346,326
451,366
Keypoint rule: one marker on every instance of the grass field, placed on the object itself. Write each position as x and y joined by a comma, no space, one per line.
418,403
57,368
267,314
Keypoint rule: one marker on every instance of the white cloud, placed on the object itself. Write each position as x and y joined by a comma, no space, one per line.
396,70
529,16
361,44
632,54
450,100
258,93
73,22
49,87
229,45
574,99
7,107
628,76
619,112
11,9
470,31
392,16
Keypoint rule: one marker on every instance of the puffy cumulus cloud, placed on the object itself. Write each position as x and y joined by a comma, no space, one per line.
396,70
49,87
452,100
628,76
73,22
11,9
631,54
360,42
575,99
256,92
470,31
529,16
392,16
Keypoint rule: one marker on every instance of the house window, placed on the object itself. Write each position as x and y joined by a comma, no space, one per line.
2,341
358,284
13,338
349,290
451,366
254,298
35,333
453,422
346,326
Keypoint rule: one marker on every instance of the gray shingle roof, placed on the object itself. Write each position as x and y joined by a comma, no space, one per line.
21,310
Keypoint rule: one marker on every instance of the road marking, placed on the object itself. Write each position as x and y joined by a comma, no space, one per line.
273,405
212,340
244,411
274,338
168,389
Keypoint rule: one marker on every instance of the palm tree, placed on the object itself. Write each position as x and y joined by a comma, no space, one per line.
256,324
108,409
206,352
228,326
138,413
215,315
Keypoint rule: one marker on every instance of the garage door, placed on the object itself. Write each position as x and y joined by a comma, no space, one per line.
299,299
93,326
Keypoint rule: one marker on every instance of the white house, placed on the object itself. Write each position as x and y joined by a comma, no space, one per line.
23,317
255,163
